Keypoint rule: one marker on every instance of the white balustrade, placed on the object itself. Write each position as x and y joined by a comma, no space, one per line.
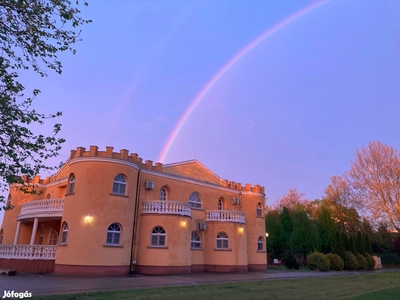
166,207
225,216
33,252
42,208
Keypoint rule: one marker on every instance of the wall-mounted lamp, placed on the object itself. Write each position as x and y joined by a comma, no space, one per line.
266,234
241,229
88,218
183,224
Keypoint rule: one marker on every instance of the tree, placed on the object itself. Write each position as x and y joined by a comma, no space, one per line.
305,233
338,245
287,226
360,243
291,201
326,230
276,241
32,33
374,178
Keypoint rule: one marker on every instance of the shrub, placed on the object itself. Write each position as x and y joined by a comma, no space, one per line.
350,261
370,261
362,262
291,261
390,258
336,262
318,261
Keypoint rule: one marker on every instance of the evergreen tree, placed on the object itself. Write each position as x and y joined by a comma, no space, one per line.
346,241
353,248
360,244
326,229
287,225
338,246
305,233
368,246
276,235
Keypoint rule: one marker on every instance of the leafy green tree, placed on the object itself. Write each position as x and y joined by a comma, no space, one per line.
326,229
32,34
305,233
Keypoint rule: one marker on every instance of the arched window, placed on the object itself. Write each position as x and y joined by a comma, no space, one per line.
259,210
119,185
71,184
113,234
196,240
41,236
195,200
260,244
220,204
48,196
222,240
64,235
163,193
158,237
53,237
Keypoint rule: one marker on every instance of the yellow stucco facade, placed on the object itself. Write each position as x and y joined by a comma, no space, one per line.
107,212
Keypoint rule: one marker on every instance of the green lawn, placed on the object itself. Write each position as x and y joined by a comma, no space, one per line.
365,286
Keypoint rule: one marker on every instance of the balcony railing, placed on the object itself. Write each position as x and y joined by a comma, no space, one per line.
166,207
42,208
225,216
33,252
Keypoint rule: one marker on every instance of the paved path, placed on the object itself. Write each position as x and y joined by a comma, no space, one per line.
57,284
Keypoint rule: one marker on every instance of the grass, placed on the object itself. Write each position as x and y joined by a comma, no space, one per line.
366,286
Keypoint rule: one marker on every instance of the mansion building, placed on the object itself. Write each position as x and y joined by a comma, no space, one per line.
109,213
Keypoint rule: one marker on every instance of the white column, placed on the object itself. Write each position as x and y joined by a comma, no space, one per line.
17,232
34,231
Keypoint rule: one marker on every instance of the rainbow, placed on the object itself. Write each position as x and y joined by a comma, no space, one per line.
226,68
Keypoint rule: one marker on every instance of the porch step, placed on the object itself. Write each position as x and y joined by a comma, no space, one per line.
5,271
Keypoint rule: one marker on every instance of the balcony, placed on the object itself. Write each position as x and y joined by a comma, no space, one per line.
166,208
31,252
225,216
41,208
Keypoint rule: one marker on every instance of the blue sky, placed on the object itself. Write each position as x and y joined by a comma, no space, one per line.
289,114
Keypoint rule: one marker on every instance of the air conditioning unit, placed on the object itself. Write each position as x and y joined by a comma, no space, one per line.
235,200
149,185
202,226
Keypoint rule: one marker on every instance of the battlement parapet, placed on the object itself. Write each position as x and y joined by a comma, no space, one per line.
123,154
246,188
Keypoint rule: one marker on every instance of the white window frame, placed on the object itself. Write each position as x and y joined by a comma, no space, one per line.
113,234
260,244
220,204
119,185
163,193
71,184
222,240
53,237
259,210
64,235
195,200
195,242
158,237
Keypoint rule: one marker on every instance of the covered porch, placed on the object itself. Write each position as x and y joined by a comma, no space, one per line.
36,237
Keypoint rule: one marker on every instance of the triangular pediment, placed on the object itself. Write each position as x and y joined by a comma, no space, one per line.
192,169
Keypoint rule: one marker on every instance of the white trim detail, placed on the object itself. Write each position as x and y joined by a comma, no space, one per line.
41,208
32,252
225,216
166,208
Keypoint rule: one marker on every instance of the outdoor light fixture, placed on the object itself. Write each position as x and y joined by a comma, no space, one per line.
266,234
87,217
241,229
